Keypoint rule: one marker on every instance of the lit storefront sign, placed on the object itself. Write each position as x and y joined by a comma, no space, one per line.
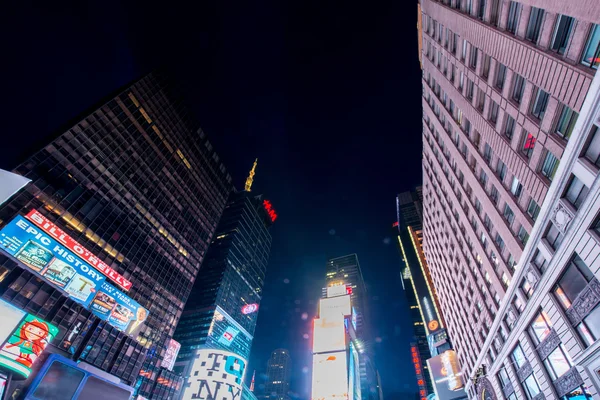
60,236
26,344
416,359
168,360
330,376
63,269
215,374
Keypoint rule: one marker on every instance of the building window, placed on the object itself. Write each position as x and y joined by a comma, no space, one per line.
509,128
532,388
505,381
514,14
528,145
518,357
494,112
526,288
481,10
516,187
487,153
591,55
536,20
562,32
463,56
592,149
539,261
538,108
576,192
509,215
483,178
533,209
485,70
473,58
470,89
523,235
554,236
500,76
495,12
549,166
501,170
518,88
494,195
566,122
573,281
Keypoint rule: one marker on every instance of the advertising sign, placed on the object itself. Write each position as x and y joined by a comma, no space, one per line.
118,309
441,379
249,308
335,306
450,364
49,259
336,290
228,336
354,392
330,376
10,317
10,184
171,355
416,359
68,242
215,374
329,334
25,345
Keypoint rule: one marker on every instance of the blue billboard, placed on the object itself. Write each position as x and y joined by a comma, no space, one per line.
118,309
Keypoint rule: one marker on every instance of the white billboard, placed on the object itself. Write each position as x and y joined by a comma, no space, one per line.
337,290
335,306
10,184
330,376
329,334
215,374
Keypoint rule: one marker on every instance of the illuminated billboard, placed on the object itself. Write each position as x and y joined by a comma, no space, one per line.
416,359
215,374
10,316
336,290
329,334
443,379
330,376
354,392
168,360
118,309
451,365
335,306
26,344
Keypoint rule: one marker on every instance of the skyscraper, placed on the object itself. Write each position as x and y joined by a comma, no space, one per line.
507,93
223,307
124,203
279,371
431,337
346,271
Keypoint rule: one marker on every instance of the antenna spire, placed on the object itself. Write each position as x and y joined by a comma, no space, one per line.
250,178
252,383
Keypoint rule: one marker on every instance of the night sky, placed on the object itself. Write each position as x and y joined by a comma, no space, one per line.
325,94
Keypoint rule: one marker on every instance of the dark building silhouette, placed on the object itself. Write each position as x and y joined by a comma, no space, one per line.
279,372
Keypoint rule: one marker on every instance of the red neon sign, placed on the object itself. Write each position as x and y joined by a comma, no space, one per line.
70,243
269,209
395,224
249,308
416,359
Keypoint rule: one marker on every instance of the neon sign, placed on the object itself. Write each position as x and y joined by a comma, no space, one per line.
395,224
269,209
416,359
249,308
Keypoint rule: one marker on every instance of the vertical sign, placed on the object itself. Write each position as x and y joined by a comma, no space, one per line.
416,359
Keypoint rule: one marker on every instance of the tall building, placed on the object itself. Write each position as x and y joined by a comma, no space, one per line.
507,93
222,310
107,239
346,271
430,334
279,372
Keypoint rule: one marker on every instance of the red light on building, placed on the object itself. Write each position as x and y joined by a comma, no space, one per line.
269,209
416,359
348,290
395,224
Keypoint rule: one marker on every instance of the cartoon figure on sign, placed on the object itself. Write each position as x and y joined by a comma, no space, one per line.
29,341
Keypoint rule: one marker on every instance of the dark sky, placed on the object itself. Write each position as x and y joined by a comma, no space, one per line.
325,94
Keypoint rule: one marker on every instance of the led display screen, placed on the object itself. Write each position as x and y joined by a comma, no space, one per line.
215,374
26,344
336,290
330,376
118,309
329,334
441,380
168,360
335,306
10,317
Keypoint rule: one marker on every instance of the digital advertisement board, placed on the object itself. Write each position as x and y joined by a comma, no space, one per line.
26,344
168,360
335,306
354,392
451,365
441,380
336,290
118,309
215,374
50,260
10,316
330,376
329,334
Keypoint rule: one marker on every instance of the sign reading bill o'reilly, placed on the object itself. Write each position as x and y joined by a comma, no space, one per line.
60,236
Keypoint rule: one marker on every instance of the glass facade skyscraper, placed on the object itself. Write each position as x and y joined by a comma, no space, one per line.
279,371
223,307
137,184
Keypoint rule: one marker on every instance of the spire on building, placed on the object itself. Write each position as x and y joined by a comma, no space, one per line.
251,176
252,383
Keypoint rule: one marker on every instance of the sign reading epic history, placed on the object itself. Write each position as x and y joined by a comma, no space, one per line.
60,236
215,374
